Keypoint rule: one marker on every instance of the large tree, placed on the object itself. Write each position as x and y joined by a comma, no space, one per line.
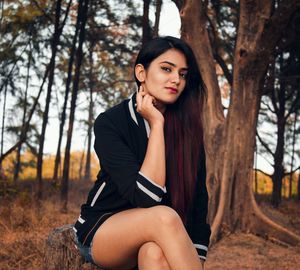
230,140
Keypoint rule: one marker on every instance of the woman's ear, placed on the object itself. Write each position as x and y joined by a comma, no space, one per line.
140,72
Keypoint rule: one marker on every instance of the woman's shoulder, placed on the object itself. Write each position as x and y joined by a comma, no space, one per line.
116,115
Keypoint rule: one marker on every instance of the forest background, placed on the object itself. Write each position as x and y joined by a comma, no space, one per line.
65,61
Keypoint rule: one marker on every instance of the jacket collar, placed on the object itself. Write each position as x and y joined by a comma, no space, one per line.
141,122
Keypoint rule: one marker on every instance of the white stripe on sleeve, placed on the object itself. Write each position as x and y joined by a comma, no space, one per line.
162,188
148,192
201,247
98,193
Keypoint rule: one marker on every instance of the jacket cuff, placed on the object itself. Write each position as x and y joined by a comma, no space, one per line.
150,188
201,250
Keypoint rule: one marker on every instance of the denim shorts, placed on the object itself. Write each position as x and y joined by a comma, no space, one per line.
85,251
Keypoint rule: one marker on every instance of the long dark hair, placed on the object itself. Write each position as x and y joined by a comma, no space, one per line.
183,125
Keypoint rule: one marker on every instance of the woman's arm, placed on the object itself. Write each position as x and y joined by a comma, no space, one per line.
143,184
154,165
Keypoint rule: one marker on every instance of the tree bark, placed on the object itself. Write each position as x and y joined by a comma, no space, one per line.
230,142
82,17
61,252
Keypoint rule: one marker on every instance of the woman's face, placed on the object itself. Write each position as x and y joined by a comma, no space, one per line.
165,78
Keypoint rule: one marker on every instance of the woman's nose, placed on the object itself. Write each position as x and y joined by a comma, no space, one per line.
175,78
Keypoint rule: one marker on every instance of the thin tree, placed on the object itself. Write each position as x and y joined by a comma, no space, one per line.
54,44
147,35
158,5
87,172
298,189
64,109
293,154
18,157
82,17
3,125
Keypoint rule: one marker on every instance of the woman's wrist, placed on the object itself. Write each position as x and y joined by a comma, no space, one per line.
158,123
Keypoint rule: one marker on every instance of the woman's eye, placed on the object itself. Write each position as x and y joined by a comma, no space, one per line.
183,75
166,69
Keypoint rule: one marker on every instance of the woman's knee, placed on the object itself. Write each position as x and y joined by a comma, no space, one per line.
166,216
151,254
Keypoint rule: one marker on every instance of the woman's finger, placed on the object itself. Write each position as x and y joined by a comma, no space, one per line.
148,101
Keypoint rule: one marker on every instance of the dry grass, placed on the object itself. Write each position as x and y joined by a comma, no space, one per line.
23,230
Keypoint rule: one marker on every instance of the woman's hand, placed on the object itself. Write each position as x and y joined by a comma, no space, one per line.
146,107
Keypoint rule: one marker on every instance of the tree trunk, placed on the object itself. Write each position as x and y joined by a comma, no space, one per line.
87,173
157,17
146,26
80,176
255,168
3,125
278,166
82,17
55,42
61,252
293,154
298,191
279,152
63,114
230,142
18,158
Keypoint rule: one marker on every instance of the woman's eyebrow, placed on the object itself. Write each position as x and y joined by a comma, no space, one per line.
172,64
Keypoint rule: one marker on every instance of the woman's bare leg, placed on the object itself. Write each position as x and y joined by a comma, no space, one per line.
117,242
151,257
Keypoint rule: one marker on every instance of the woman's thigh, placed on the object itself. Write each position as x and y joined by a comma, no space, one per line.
117,242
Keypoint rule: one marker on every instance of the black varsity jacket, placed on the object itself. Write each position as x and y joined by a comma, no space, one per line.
121,137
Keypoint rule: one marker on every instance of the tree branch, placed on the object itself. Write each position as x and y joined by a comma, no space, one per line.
25,128
42,10
13,67
268,106
217,56
295,105
276,25
264,173
264,144
224,67
292,172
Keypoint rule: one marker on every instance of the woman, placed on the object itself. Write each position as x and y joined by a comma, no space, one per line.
148,206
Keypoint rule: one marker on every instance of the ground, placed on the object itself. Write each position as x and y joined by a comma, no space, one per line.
23,230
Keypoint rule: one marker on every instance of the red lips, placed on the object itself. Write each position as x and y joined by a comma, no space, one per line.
172,90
